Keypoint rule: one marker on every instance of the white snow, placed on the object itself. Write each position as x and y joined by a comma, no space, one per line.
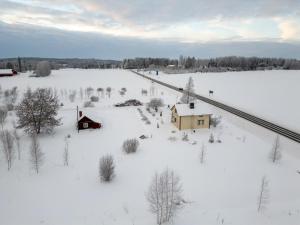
5,71
199,109
223,190
272,95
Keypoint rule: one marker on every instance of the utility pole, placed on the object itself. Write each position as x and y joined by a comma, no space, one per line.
77,119
20,64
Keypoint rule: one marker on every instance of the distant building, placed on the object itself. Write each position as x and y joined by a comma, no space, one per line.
191,116
85,122
7,72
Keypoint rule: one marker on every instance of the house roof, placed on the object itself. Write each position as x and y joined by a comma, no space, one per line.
91,116
199,109
5,71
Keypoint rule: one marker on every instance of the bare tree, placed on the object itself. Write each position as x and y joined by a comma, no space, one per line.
106,168
36,154
37,111
263,198
17,138
100,90
202,153
275,154
8,147
130,145
81,93
155,103
89,91
43,69
66,152
189,90
3,115
72,95
164,196
108,90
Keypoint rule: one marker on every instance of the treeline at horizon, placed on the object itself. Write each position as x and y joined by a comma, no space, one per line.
22,64
220,64
182,64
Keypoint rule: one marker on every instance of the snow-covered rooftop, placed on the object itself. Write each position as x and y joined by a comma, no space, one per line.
5,71
199,109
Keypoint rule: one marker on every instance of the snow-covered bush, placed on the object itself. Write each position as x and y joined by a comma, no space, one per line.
130,145
88,104
215,121
211,138
185,137
72,96
144,92
172,138
122,93
155,103
43,69
94,99
106,168
165,196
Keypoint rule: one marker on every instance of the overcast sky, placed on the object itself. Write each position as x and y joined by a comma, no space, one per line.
162,28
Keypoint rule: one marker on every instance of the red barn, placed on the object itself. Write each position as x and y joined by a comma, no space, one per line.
85,122
7,72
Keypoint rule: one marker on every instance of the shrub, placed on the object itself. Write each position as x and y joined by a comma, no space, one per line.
106,168
94,99
88,104
185,137
211,138
155,103
43,69
215,121
130,145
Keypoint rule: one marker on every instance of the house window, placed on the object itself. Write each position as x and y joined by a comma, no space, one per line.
85,125
200,122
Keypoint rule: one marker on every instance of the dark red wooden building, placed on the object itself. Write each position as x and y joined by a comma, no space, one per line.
7,72
85,122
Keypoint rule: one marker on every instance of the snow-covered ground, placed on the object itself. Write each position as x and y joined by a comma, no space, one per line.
272,95
223,190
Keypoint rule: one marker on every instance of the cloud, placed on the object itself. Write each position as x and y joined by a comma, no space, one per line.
34,41
173,20
290,29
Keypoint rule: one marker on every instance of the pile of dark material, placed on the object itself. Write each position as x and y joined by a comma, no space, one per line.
131,102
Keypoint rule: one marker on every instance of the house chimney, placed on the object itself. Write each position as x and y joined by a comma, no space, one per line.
80,113
192,106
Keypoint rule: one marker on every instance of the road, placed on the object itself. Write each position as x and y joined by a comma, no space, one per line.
254,119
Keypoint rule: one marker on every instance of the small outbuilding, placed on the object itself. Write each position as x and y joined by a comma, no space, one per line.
7,72
84,122
191,116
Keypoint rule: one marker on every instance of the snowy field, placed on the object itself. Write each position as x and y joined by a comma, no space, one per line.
272,95
223,190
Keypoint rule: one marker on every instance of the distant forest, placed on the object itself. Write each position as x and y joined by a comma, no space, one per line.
230,63
181,65
25,64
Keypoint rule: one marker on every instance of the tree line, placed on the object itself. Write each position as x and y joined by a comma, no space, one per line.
28,63
229,63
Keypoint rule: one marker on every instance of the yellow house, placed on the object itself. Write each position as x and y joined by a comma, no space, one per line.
191,116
